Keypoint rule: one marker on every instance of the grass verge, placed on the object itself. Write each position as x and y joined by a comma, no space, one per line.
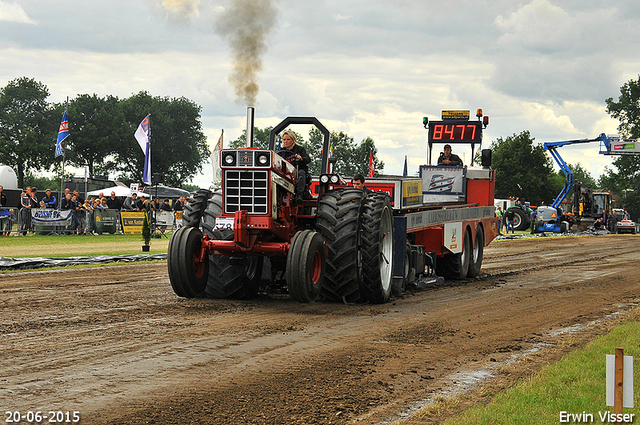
575,385
60,246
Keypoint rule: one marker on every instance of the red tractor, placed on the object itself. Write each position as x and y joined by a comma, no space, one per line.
337,245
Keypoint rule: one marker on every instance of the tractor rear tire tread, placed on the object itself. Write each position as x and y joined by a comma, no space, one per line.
338,221
192,214
213,209
231,278
377,226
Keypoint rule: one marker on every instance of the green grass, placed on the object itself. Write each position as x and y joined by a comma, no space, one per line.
575,384
58,246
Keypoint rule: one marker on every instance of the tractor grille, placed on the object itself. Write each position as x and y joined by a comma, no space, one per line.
246,190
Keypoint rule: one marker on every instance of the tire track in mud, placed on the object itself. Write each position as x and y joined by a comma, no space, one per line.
117,344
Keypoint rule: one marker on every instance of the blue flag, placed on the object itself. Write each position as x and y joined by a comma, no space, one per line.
63,133
404,172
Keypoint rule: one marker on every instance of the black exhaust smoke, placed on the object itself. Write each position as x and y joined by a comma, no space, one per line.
246,24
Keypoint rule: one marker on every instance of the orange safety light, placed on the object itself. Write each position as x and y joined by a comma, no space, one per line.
479,113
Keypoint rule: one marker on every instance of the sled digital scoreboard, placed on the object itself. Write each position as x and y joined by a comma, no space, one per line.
455,127
455,131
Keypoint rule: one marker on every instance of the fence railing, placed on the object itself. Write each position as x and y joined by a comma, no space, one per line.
47,221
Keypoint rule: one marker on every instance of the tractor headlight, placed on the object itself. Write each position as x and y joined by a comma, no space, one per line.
324,179
229,159
262,159
335,179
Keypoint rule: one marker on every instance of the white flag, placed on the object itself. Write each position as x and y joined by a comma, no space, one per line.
142,136
215,160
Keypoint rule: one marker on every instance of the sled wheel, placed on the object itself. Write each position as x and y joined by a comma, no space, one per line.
456,266
477,254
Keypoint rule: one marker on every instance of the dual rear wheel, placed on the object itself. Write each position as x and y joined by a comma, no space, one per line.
358,230
467,263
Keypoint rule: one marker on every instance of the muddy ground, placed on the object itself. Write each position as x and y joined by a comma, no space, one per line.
117,345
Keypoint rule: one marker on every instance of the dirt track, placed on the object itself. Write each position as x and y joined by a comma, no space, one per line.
116,344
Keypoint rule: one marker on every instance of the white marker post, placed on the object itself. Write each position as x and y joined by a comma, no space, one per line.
619,381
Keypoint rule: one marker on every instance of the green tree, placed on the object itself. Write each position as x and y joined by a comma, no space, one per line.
627,109
42,182
581,175
260,138
92,138
178,145
27,130
361,158
352,158
558,180
625,179
523,169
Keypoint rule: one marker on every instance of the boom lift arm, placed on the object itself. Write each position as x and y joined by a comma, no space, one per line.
552,146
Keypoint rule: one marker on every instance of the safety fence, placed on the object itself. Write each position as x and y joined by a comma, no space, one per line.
47,221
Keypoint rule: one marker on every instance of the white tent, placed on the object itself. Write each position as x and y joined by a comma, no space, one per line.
119,190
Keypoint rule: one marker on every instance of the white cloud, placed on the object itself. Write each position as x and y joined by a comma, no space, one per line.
187,9
339,17
13,12
547,52
369,69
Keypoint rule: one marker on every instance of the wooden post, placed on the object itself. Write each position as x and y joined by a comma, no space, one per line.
619,370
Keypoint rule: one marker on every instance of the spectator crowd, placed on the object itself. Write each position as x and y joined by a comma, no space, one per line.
83,211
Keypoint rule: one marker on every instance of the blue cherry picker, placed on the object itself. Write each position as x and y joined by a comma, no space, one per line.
587,205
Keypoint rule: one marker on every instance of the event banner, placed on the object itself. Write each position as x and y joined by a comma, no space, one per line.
50,217
132,222
442,180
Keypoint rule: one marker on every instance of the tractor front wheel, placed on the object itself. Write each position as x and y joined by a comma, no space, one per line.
187,273
306,262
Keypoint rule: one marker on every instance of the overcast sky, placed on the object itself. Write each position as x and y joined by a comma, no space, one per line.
369,68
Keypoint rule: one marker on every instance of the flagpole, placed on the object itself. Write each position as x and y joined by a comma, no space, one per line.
64,151
150,173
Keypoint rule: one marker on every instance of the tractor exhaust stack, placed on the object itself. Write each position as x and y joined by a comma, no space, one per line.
250,118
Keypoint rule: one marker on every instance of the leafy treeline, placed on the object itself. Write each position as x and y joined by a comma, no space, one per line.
353,158
625,179
101,134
